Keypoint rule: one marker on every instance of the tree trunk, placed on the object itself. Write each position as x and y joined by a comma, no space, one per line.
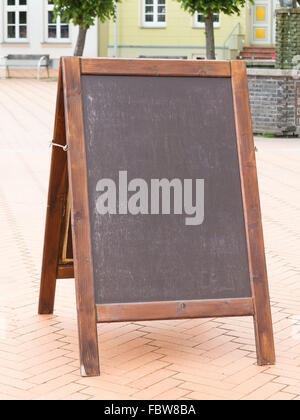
80,42
210,37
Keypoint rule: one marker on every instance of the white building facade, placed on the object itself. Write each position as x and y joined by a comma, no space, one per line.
27,28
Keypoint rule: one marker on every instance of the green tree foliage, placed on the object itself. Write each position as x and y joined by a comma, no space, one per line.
208,8
84,13
229,7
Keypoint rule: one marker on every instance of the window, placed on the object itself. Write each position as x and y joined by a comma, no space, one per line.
16,20
57,30
154,13
200,22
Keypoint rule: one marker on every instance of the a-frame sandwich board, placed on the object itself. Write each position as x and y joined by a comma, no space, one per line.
66,257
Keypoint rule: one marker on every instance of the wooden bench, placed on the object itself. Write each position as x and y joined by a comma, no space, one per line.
17,60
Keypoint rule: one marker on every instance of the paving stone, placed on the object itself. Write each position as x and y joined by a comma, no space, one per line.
185,359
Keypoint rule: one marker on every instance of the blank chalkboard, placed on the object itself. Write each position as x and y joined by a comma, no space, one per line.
122,128
165,128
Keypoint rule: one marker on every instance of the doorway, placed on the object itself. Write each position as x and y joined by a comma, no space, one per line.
263,22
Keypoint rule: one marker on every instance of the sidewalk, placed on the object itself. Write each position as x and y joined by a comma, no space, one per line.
189,359
28,73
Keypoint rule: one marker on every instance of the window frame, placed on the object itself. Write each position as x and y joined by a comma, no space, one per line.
201,25
58,24
155,23
17,9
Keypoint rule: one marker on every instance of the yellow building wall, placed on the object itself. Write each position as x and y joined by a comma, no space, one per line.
179,37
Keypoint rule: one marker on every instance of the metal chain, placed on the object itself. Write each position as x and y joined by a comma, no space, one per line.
65,148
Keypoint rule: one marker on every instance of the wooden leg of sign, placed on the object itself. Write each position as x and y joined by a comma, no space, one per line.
255,241
82,248
57,197
263,334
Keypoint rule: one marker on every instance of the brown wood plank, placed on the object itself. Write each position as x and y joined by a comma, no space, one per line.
57,194
254,232
87,328
174,310
65,271
69,244
139,67
65,232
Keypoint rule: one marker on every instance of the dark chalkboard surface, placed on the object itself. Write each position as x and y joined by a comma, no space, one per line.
174,120
165,128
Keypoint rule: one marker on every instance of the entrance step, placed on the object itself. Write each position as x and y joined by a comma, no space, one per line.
257,53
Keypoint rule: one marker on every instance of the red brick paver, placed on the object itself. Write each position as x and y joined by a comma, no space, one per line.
185,359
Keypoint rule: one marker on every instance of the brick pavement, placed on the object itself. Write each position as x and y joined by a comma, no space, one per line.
185,359
28,73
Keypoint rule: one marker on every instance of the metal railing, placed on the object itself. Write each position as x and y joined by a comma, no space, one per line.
238,25
40,63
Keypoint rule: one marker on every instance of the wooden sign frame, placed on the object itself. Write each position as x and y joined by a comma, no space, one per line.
69,172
